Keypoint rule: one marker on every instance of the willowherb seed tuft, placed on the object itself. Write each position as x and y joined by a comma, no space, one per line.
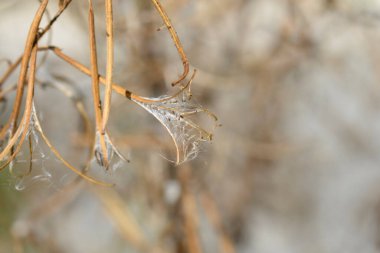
173,113
114,157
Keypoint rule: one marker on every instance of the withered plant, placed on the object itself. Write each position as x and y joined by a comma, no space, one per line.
23,126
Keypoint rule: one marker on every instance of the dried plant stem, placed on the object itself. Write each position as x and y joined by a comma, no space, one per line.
95,87
66,163
62,8
24,127
10,70
176,40
22,130
13,66
181,116
110,52
117,88
170,110
30,42
85,119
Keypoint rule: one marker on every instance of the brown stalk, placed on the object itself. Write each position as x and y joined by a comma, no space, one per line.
117,88
84,116
13,155
24,127
22,130
27,117
62,8
30,42
110,52
53,149
13,66
128,94
32,38
95,87
10,70
66,163
30,141
175,39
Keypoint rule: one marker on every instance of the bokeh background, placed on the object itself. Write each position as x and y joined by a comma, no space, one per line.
294,166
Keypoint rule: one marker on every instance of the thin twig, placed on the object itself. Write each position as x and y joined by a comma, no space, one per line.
110,52
62,8
117,88
10,70
30,42
79,105
66,163
32,38
22,130
41,34
95,88
176,40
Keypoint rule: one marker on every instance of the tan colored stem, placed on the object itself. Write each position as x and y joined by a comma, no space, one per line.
22,130
117,88
12,68
175,38
95,86
66,163
62,8
30,42
110,52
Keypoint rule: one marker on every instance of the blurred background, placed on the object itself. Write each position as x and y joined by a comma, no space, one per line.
294,166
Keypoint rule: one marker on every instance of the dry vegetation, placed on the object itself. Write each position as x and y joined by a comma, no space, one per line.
108,117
